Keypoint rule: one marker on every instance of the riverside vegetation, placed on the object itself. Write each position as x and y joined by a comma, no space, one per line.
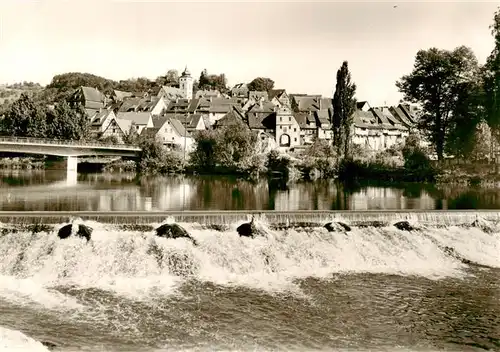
459,99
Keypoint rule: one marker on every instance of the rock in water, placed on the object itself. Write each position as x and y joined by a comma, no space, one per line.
404,226
246,229
173,231
83,231
50,346
483,225
337,226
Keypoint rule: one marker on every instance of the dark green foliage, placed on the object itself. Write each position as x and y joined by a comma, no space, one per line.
444,83
131,137
24,85
320,156
64,122
155,159
204,157
277,162
261,84
140,84
109,140
414,156
171,78
228,148
25,118
72,80
492,80
212,82
344,106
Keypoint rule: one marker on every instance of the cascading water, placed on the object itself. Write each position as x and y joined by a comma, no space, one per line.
123,276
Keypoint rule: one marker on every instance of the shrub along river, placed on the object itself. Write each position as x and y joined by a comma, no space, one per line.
47,190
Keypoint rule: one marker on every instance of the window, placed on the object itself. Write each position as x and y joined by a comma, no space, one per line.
295,130
295,139
281,119
289,118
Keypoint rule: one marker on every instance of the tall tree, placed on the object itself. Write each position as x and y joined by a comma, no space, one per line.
261,84
212,82
25,118
63,122
492,80
440,81
344,106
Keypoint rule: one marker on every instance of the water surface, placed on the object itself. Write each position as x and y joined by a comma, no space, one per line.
48,190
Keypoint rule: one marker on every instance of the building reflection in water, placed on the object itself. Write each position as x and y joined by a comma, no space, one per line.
126,192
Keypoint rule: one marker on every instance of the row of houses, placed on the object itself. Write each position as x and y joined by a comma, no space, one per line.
281,120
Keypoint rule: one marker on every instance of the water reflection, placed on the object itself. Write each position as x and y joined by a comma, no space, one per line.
48,190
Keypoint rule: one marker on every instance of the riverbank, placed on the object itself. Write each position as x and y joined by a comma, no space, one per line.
22,163
292,168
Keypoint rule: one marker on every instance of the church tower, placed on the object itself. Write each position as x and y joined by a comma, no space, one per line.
186,84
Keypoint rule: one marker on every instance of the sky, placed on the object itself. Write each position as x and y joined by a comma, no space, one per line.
300,45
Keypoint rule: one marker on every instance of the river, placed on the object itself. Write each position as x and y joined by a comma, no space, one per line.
296,289
47,191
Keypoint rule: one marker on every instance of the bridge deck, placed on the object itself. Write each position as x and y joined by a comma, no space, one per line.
448,217
65,143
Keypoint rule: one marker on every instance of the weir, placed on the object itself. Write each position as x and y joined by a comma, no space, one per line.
290,218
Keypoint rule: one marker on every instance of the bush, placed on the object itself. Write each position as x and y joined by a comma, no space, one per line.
153,158
109,140
277,162
415,158
230,149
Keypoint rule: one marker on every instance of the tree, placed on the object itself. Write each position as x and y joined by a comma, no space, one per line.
466,117
439,81
232,147
492,80
25,118
261,84
344,106
153,158
131,136
66,123
172,76
212,82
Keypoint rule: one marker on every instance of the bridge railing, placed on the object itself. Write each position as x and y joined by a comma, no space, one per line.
50,141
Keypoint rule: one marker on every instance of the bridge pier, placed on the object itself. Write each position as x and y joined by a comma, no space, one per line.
71,170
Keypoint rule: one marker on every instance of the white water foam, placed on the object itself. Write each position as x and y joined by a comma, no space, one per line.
139,265
13,340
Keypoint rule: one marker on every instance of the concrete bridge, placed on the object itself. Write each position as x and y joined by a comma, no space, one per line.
69,149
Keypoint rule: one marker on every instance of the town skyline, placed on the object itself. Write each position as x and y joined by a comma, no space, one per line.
298,45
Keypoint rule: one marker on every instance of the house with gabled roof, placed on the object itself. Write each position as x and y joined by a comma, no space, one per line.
105,124
171,133
308,127
170,93
233,118
377,128
240,90
100,121
90,98
138,120
154,105
262,117
257,96
119,95
279,97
